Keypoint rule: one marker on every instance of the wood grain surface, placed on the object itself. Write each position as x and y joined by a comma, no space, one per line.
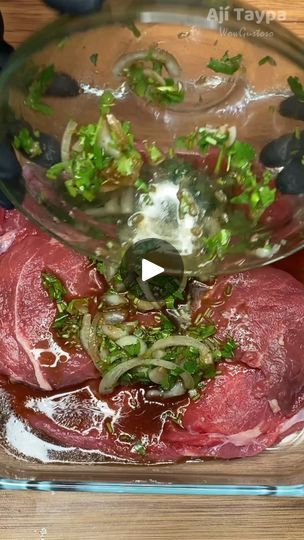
76,516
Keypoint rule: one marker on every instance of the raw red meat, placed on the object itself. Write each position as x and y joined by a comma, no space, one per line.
255,401
230,421
27,348
264,315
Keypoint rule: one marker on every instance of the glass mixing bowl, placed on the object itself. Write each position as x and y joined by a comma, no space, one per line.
205,90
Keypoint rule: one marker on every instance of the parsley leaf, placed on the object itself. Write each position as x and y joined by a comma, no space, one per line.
91,162
267,60
216,245
135,31
68,319
241,155
37,90
133,349
296,87
203,332
24,141
94,58
226,64
149,83
156,156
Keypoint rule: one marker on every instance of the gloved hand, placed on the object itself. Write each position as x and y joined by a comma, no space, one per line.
10,170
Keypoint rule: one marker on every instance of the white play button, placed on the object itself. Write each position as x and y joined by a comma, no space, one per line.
149,270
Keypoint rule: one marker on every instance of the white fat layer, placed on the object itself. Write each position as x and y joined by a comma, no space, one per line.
41,380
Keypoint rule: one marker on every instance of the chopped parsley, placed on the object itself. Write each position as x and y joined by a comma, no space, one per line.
226,64
203,139
257,193
25,142
105,152
156,156
217,244
68,319
37,89
140,448
234,168
267,60
202,332
146,86
296,87
148,78
150,335
135,31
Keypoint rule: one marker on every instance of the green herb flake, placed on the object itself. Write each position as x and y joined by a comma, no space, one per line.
296,87
37,90
203,332
229,348
135,31
132,350
241,155
147,84
227,65
228,290
156,156
267,60
53,286
272,109
297,133
142,186
68,318
216,245
94,59
55,171
140,448
106,101
62,43
25,141
110,428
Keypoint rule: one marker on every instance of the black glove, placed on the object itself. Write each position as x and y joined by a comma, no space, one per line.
10,170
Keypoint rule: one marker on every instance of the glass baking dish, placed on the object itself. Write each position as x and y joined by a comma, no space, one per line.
278,471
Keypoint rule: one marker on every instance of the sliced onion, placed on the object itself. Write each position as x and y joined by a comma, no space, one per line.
126,60
133,340
159,55
172,66
66,140
111,207
177,390
85,331
232,136
157,375
127,205
155,76
144,305
159,354
114,332
187,380
111,378
93,349
116,129
115,299
212,225
183,341
114,316
106,142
